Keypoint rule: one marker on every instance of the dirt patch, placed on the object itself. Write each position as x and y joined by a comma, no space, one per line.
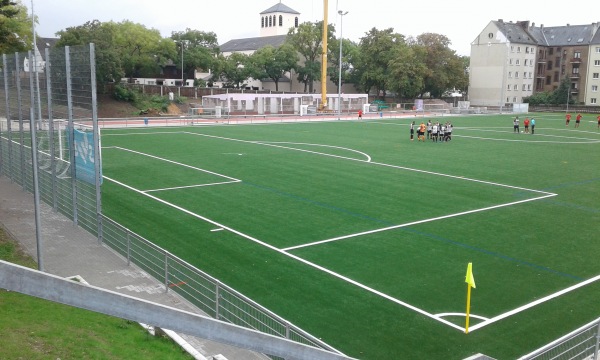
110,108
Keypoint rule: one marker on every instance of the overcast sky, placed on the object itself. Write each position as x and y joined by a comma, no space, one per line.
460,21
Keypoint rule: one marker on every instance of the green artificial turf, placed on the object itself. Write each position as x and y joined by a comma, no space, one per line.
395,223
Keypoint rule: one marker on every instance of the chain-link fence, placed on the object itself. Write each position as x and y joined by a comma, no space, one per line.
49,144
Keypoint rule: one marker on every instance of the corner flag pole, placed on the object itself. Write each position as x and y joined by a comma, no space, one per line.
470,280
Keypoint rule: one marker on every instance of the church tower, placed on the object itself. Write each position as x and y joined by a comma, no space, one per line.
278,20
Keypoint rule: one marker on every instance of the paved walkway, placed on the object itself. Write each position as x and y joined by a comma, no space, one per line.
69,251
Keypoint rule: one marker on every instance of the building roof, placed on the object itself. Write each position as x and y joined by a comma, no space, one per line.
280,8
42,43
570,35
516,32
248,44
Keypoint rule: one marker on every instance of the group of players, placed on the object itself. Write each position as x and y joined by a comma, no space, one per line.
578,120
434,131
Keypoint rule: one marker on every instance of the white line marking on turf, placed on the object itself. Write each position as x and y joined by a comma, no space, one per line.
414,223
215,230
178,163
266,143
534,303
462,314
329,146
194,186
339,276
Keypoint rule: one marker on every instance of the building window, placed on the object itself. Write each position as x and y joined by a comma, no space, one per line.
280,20
518,49
598,50
593,101
516,87
524,87
594,88
595,75
575,70
270,21
548,80
262,22
296,22
515,99
516,74
508,87
550,51
518,62
596,62
510,61
528,87
577,55
510,74
512,48
556,76
526,49
549,66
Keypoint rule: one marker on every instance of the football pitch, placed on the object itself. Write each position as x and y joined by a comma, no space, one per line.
362,237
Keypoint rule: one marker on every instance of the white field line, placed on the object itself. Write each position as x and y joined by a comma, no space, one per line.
233,180
588,141
144,133
274,144
462,314
193,186
535,303
271,247
415,223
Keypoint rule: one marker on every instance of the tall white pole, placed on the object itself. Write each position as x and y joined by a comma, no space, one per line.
340,73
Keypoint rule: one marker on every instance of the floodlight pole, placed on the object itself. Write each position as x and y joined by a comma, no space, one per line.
342,13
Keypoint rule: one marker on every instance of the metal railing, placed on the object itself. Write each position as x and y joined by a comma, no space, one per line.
583,343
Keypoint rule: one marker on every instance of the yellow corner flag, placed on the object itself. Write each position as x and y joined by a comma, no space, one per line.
470,280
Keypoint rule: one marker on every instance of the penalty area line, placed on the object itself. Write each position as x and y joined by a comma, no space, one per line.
297,258
416,222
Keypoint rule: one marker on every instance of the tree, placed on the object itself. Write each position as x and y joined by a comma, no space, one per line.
109,67
445,68
234,70
200,50
376,51
349,53
272,63
407,71
307,40
15,27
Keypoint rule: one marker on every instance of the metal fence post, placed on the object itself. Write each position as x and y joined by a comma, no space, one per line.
166,271
217,297
96,135
20,106
71,128
597,341
128,248
51,148
5,76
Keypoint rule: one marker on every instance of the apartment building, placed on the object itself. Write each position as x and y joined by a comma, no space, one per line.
510,61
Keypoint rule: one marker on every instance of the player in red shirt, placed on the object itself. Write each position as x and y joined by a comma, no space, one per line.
577,120
598,121
526,124
568,118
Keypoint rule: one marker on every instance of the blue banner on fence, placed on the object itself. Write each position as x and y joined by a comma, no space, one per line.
85,167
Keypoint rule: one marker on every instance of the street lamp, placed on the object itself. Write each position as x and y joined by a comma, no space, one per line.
341,13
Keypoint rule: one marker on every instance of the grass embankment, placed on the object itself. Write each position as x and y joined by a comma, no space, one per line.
32,328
